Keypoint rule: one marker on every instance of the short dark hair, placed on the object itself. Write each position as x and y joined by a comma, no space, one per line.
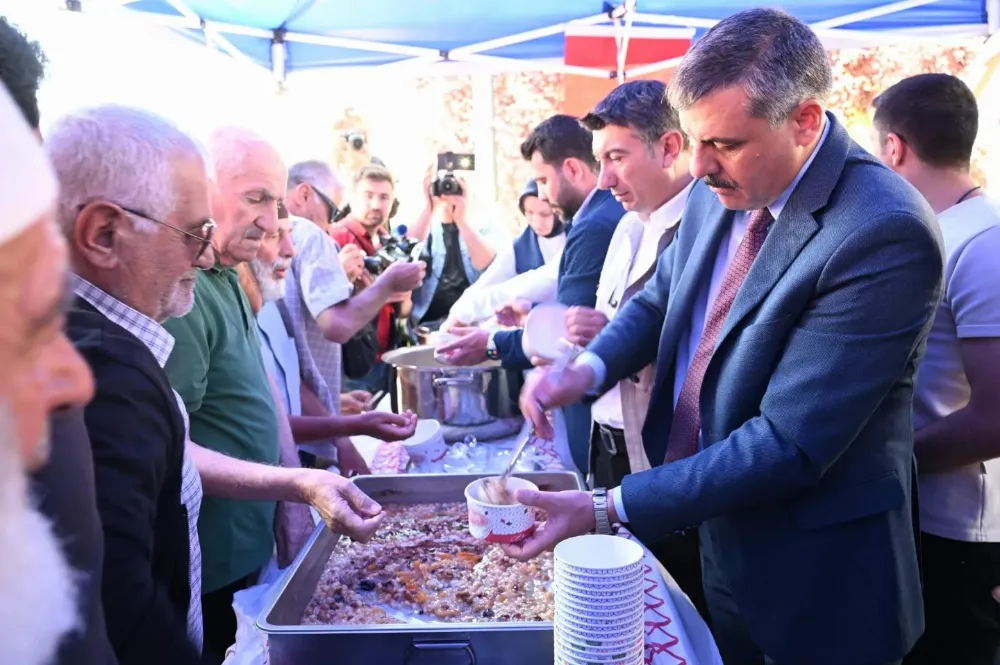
778,59
375,173
22,66
935,114
558,138
638,105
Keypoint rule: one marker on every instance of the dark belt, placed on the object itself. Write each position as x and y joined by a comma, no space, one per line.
613,439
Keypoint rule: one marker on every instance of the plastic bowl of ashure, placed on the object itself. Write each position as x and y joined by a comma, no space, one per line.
495,516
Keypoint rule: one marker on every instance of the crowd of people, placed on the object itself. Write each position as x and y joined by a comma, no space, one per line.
750,295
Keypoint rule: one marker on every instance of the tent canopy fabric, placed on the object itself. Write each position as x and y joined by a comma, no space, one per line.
289,35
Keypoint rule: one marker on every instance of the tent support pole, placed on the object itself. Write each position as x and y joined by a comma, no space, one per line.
484,134
993,15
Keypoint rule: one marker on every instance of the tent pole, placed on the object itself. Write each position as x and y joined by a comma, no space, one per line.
483,135
874,12
278,56
528,36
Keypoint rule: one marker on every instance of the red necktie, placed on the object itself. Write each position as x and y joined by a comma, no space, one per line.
683,441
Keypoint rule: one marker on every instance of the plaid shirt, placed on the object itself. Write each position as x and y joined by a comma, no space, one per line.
316,282
160,344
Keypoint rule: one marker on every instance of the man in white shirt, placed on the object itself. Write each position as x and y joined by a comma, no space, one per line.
926,126
539,244
644,160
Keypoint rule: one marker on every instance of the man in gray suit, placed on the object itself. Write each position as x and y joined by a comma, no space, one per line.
786,321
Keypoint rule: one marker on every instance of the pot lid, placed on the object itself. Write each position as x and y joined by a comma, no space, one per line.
422,357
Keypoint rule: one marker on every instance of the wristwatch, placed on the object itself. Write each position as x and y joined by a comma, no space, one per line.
491,348
604,526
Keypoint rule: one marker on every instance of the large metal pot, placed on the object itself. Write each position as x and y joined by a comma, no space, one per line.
465,398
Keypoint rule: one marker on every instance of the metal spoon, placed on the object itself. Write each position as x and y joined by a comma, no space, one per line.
496,488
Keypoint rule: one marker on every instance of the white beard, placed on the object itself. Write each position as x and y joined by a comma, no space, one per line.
271,289
38,603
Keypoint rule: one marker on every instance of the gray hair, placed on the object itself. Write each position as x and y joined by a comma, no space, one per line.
778,60
639,105
312,172
119,154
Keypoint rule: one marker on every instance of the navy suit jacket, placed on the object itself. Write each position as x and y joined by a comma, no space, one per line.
579,272
804,484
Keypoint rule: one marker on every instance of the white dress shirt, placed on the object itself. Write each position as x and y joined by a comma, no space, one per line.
689,341
631,253
501,284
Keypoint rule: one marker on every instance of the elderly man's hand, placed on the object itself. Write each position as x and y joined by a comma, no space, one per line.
468,349
513,314
293,524
403,277
388,426
355,402
567,514
343,507
352,260
583,324
542,392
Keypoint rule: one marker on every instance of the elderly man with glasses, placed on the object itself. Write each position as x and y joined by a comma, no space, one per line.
135,207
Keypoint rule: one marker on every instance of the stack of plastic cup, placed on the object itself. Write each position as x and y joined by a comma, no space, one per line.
599,601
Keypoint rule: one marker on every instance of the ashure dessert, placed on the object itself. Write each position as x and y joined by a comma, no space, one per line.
497,492
424,565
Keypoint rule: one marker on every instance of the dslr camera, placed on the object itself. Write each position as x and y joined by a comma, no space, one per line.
395,247
449,162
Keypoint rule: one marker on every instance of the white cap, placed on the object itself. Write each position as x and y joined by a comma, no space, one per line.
28,186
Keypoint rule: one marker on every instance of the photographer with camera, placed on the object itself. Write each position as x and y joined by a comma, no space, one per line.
365,226
540,243
458,251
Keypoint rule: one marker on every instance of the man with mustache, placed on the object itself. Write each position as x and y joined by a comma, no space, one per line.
134,204
218,370
42,373
787,321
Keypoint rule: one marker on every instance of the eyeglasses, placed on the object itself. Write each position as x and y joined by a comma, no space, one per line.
331,207
204,239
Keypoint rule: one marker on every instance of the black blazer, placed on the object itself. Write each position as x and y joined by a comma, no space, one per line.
65,491
137,437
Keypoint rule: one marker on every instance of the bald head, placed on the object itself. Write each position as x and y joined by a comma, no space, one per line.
249,178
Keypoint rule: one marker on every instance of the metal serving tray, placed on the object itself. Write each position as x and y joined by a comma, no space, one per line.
290,643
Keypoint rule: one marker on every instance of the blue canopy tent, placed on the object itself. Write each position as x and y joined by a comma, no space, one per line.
300,35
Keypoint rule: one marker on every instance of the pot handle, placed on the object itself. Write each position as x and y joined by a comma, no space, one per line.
464,380
440,653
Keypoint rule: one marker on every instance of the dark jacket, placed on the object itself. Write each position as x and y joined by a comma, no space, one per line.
137,437
803,489
65,491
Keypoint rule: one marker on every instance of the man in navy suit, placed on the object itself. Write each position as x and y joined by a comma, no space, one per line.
786,320
560,151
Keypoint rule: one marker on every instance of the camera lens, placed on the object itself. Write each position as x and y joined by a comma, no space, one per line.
355,140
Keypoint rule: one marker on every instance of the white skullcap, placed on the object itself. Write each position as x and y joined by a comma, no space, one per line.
28,186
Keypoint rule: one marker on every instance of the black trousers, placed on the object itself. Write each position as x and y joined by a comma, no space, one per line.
679,553
220,619
963,619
